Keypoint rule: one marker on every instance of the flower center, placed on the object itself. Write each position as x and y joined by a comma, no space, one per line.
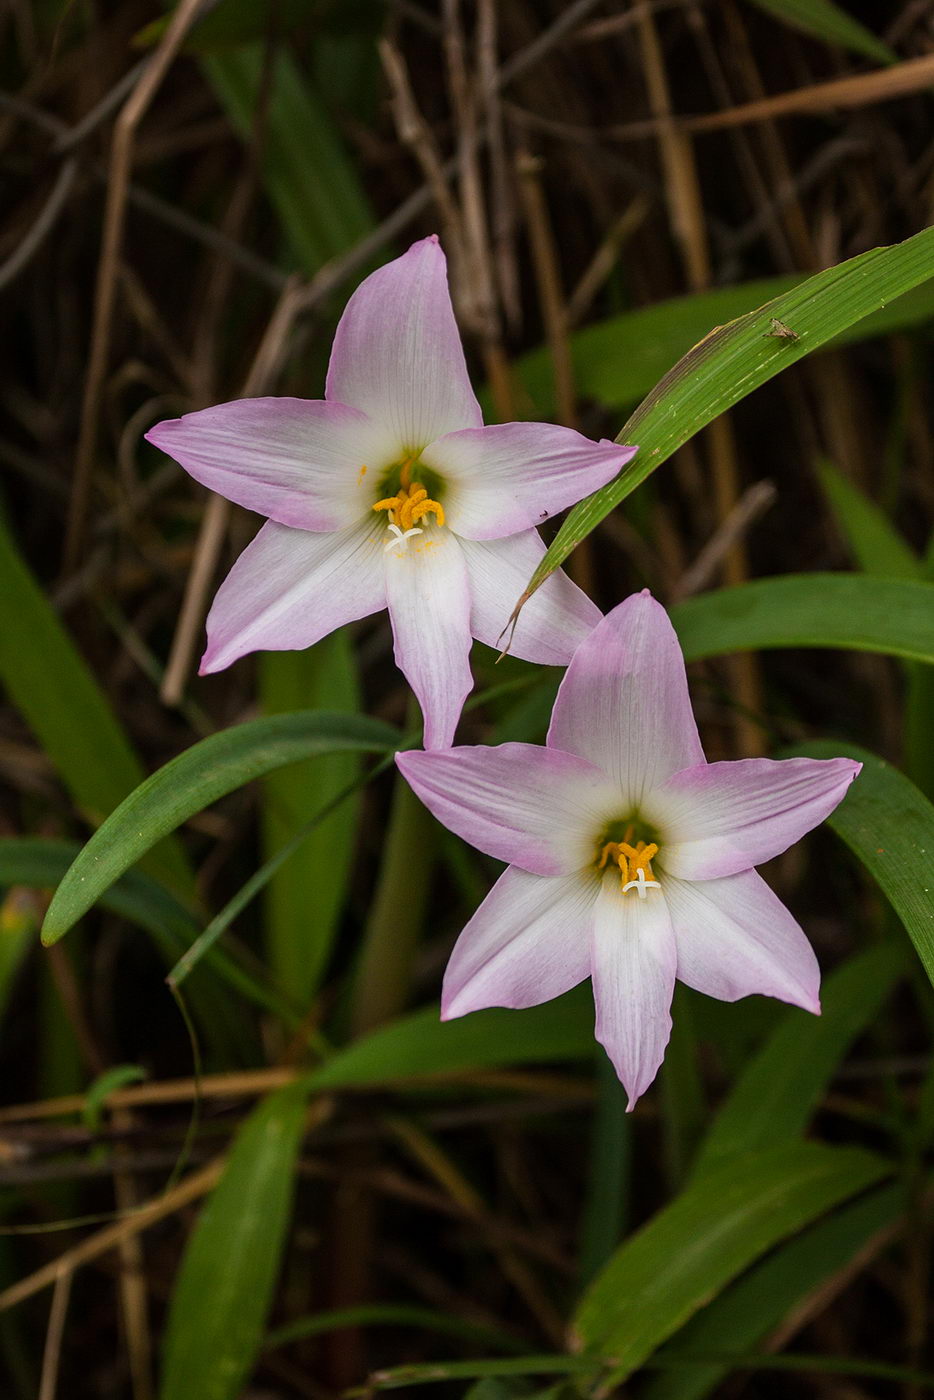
407,507
634,859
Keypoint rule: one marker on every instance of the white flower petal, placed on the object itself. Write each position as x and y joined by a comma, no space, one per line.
554,621
735,937
528,942
624,701
290,588
397,354
634,962
428,593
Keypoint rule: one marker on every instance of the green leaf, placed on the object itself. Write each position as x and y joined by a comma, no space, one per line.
876,545
422,1044
744,1315
227,1278
889,824
138,898
196,778
735,359
105,1084
312,184
618,360
826,20
853,611
49,682
431,1372
774,1097
391,1315
723,1221
305,897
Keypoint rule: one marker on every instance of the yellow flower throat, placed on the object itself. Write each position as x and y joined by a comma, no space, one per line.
411,503
635,863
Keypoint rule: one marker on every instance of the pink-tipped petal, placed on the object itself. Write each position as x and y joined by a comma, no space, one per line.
634,963
428,593
512,476
299,461
735,937
533,807
624,701
528,942
290,588
397,354
719,818
554,621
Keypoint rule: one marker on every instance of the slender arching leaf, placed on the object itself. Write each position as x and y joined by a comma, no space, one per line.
723,1221
889,824
733,360
744,1314
422,1044
853,611
228,1273
826,20
143,901
192,781
778,1091
876,545
617,361
50,683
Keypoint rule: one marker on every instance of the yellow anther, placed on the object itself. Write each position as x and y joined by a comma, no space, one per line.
630,859
389,503
409,505
427,508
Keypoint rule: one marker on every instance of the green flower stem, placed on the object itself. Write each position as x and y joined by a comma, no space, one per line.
384,970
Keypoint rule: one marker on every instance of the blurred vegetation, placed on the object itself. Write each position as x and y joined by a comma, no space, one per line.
281,1175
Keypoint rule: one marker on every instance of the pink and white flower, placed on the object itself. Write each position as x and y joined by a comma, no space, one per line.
390,492
630,856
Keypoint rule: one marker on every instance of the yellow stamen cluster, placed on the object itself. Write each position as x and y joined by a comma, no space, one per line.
630,859
408,507
410,503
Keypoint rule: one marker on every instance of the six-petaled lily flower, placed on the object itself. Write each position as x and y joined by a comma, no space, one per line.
630,857
390,492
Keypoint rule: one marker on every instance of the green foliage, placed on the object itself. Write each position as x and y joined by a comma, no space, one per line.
225,1285
876,545
192,781
421,1044
723,1221
892,616
617,361
745,1313
54,689
774,1097
734,359
889,824
306,895
826,20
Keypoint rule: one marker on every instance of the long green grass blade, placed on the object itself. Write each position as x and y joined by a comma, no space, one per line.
723,1221
733,360
196,778
852,611
618,360
825,20
306,895
136,897
876,545
314,188
773,1099
53,688
889,824
421,1044
225,1286
743,1316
